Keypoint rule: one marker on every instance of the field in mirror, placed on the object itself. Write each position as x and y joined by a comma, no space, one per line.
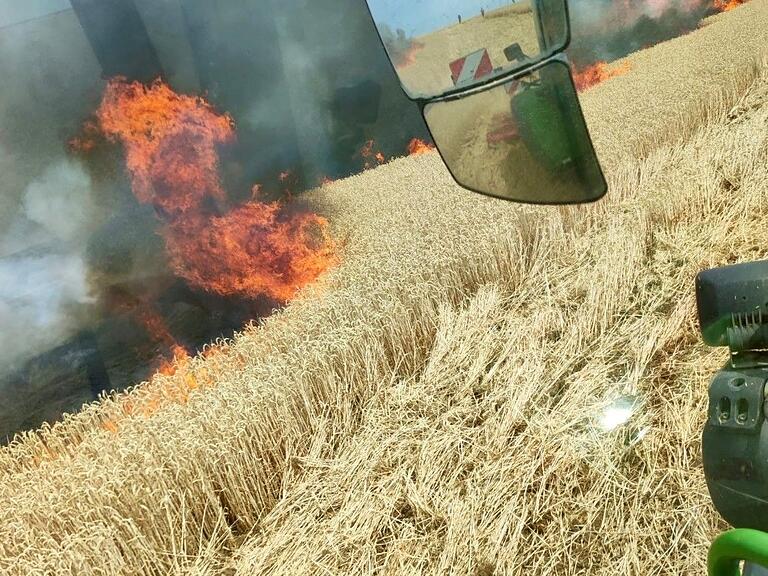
524,140
437,47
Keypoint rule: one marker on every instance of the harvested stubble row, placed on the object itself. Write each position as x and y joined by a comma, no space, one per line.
429,407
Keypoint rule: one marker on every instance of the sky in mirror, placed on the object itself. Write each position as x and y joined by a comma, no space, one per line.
419,17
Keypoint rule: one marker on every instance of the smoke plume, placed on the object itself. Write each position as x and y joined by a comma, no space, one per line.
399,46
605,30
43,274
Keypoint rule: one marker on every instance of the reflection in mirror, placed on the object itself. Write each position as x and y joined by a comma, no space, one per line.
524,140
438,46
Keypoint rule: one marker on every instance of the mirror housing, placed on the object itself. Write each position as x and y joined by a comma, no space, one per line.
513,131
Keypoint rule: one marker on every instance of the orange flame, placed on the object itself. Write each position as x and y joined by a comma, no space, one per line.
596,73
256,248
170,140
180,358
155,326
409,56
367,153
163,391
726,5
417,146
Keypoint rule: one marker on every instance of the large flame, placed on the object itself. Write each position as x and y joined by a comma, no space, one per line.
258,248
598,72
170,142
254,249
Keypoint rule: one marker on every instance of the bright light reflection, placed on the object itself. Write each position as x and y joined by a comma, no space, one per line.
617,413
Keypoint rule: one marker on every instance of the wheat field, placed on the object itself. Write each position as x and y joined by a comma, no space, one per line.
436,404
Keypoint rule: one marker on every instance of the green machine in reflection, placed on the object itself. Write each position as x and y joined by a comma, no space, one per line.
519,99
545,119
549,147
546,107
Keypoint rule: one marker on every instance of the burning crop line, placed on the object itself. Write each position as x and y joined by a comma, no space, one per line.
251,250
371,158
726,5
188,376
587,76
596,73
418,146
154,325
408,55
157,329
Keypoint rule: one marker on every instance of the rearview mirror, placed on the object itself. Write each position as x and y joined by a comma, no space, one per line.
439,47
522,139
496,93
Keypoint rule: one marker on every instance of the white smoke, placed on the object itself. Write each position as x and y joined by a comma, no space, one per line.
43,273
60,201
597,13
611,29
35,295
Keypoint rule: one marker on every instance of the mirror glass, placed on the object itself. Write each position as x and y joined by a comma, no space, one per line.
439,46
523,140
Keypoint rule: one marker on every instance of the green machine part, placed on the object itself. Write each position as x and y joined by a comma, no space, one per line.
535,107
541,123
551,125
734,546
